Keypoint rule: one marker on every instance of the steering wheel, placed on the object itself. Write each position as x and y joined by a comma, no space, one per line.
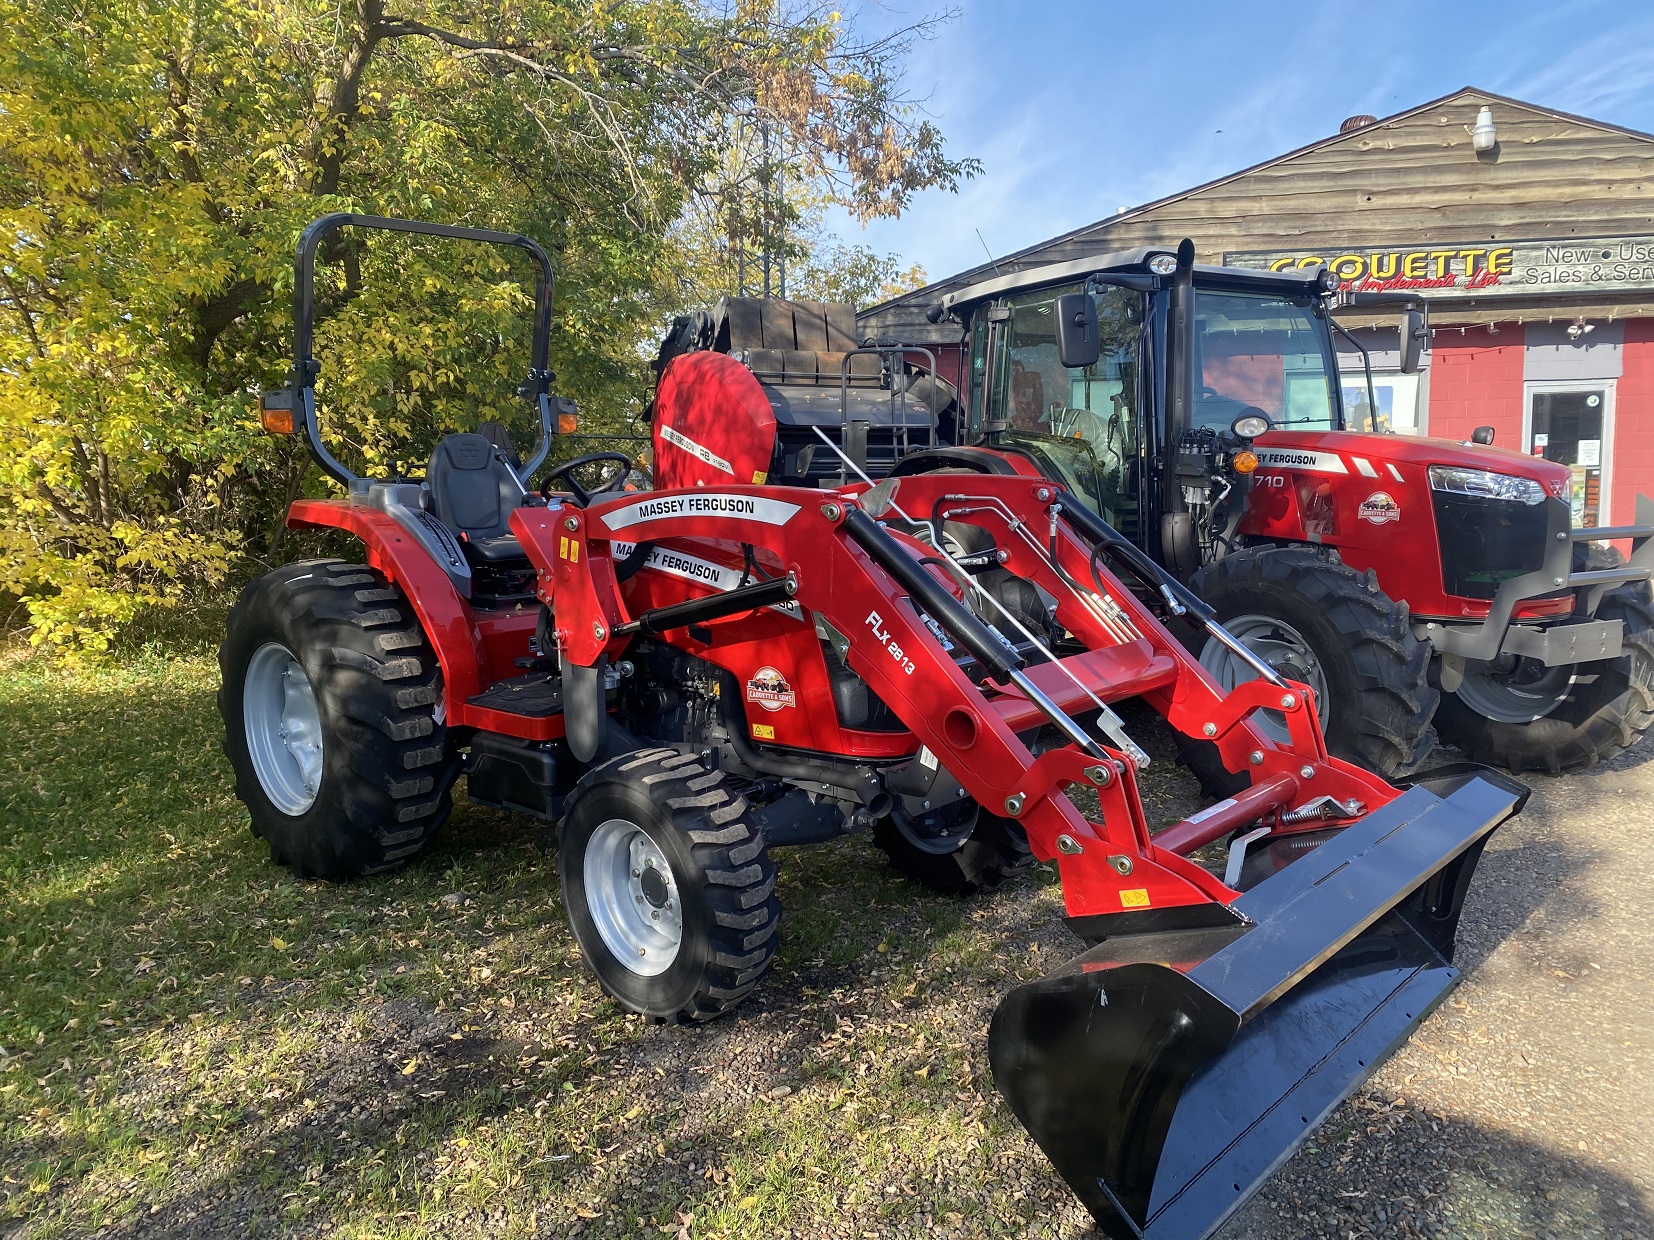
581,494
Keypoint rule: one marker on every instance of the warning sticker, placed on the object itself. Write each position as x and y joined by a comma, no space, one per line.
699,451
1137,897
769,688
763,732
1379,508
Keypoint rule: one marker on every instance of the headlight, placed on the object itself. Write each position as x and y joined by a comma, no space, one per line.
1163,264
1484,484
1249,426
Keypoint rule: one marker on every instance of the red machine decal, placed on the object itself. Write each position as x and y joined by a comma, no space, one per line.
769,689
1379,508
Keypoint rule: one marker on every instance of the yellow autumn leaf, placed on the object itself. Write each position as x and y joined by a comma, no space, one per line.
279,944
409,1070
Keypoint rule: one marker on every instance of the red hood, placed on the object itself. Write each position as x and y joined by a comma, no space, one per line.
1418,451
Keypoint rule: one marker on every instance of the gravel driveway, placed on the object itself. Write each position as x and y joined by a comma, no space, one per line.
1525,1105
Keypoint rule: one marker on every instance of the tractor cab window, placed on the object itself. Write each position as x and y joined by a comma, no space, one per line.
1082,422
1262,352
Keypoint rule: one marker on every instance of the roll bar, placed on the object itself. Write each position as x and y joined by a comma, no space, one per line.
302,381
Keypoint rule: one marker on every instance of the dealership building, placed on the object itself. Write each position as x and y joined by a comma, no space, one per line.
1529,233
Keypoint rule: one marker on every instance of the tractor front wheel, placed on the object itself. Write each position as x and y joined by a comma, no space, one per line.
975,853
1522,716
667,884
1319,622
332,706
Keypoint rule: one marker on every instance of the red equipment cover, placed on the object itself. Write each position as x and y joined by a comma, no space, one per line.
713,424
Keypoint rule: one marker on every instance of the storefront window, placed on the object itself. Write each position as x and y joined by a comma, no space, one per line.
1569,424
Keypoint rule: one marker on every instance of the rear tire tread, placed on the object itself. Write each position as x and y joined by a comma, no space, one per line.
1386,727
384,752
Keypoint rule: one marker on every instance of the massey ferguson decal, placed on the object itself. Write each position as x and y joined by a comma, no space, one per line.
1379,508
692,568
1301,458
706,504
769,688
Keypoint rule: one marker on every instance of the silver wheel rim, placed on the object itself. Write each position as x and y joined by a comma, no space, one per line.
632,897
1284,649
1493,695
284,728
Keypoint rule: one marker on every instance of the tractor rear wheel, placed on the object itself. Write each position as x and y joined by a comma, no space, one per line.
667,884
1525,717
972,856
332,706
1318,621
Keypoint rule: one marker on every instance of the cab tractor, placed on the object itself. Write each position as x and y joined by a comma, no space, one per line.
686,680
1411,581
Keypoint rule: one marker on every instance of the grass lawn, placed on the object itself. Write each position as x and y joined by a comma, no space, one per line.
193,1042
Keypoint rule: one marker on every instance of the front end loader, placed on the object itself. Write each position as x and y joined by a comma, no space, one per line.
686,678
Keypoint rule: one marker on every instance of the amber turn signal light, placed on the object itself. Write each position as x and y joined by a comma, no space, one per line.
1245,462
568,423
275,412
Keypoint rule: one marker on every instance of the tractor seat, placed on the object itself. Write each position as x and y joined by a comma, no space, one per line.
473,492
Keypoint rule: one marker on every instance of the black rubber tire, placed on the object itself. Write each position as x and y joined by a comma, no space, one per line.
1381,700
387,776
1609,708
1016,595
724,876
995,850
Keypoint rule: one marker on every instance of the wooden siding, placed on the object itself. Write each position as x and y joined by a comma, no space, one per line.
1412,180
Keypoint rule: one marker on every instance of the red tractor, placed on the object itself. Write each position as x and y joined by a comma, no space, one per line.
1205,416
687,678
1418,585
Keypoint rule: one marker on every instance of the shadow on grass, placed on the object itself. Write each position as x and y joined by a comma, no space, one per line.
197,1042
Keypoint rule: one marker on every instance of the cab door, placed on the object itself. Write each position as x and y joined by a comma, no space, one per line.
1083,426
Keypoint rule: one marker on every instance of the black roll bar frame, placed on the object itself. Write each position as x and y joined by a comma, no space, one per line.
302,379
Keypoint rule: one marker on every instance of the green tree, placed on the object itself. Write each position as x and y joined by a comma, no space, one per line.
158,160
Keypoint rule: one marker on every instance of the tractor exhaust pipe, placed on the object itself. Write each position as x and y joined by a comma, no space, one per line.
1167,1076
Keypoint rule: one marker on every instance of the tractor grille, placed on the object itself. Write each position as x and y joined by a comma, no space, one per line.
1487,541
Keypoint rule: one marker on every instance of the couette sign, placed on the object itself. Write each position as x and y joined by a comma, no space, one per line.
1579,265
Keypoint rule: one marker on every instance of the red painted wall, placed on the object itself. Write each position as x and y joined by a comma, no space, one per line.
1476,380
1633,447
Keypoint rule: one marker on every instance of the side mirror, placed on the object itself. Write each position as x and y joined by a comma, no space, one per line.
1482,435
1413,333
1075,318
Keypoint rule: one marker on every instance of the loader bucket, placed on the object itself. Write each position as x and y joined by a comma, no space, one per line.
1167,1075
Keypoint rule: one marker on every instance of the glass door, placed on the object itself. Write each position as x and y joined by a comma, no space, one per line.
1569,424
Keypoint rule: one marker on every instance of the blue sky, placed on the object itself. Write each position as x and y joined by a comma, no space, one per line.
1077,109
